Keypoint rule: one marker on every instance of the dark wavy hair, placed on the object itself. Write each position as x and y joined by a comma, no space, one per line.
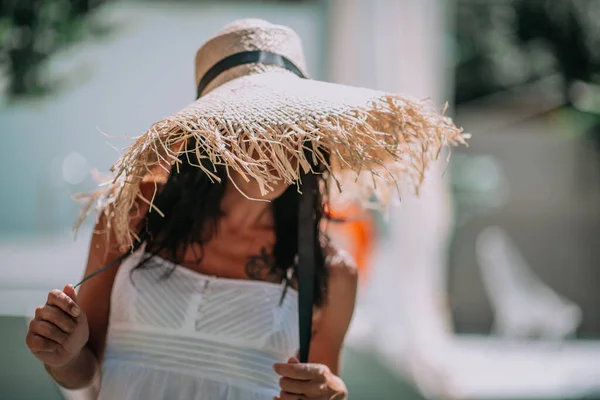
191,204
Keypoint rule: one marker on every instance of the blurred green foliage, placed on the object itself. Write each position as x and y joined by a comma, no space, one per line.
32,31
504,44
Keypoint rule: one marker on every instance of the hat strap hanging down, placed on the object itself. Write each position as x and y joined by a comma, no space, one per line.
307,238
117,260
246,57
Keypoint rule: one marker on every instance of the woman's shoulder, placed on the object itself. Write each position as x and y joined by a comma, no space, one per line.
342,284
341,267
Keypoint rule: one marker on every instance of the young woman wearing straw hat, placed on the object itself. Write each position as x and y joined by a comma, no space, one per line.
215,225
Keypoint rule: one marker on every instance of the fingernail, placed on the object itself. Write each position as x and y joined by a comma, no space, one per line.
75,311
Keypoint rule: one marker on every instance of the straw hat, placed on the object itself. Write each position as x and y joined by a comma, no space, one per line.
259,115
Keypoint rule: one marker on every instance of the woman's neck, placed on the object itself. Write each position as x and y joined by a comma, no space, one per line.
242,213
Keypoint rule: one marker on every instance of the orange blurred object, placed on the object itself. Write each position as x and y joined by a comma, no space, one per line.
354,230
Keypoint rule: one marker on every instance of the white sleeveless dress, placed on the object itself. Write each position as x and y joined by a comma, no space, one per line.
192,336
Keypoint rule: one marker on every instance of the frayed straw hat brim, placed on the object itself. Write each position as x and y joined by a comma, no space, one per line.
262,125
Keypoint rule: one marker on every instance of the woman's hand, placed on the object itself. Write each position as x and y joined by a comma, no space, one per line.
59,330
308,381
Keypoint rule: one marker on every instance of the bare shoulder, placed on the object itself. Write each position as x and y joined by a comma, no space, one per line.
339,263
341,268
334,317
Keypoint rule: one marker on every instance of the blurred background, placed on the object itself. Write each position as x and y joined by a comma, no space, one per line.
484,288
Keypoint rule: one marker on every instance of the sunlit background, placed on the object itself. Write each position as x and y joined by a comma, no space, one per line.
484,288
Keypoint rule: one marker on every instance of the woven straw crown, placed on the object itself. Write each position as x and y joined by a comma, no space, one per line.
370,143
248,35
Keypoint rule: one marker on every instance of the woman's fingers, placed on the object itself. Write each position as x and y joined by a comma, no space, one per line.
59,330
56,316
48,330
302,381
69,290
303,372
312,389
293,386
60,299
40,344
290,396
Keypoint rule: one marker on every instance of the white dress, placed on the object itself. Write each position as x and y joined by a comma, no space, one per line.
193,336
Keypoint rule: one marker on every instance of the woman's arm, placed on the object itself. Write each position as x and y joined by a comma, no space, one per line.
73,361
94,300
72,346
334,317
319,378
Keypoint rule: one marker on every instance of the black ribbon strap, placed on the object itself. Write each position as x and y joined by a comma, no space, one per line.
246,57
307,238
135,247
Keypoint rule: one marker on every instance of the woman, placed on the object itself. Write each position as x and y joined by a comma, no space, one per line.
206,215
